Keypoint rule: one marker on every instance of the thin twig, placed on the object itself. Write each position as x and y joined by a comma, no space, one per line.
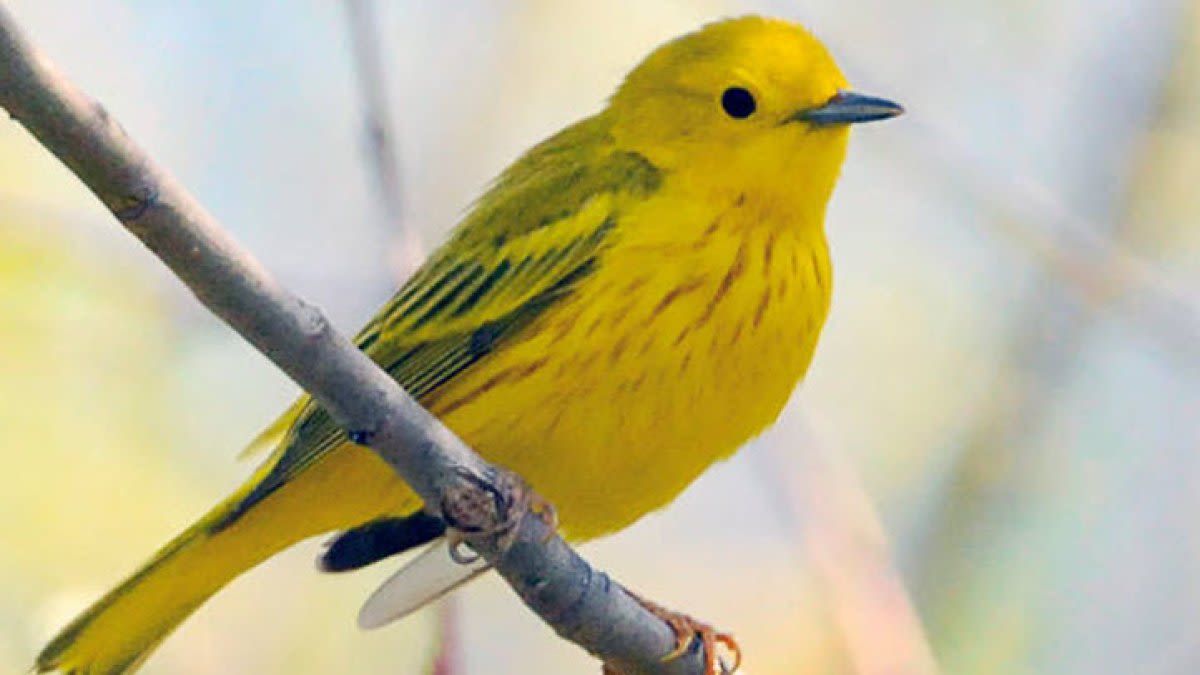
1081,253
981,497
407,253
582,604
825,503
448,661
1077,250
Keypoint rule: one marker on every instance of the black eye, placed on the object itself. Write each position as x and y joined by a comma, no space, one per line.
738,103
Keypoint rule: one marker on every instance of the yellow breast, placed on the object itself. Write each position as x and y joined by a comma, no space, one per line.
686,342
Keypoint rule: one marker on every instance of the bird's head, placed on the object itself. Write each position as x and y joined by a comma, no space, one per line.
744,102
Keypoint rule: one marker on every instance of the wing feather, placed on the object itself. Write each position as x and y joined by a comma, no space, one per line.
527,244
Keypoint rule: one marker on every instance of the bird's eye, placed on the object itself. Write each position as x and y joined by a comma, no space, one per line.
738,103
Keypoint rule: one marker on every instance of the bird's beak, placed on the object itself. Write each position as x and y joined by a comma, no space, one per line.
846,107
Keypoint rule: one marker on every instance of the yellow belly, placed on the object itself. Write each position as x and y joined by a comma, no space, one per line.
679,349
655,369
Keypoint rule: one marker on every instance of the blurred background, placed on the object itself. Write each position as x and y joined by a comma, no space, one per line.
992,468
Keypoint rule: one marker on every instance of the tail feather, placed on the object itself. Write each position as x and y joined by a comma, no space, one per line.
426,578
381,538
117,633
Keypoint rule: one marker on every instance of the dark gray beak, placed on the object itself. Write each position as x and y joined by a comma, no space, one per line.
846,107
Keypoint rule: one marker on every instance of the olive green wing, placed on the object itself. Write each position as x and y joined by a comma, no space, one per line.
527,245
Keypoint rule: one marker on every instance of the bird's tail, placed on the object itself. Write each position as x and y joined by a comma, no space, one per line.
118,632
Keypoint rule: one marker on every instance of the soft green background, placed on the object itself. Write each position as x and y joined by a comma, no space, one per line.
1006,393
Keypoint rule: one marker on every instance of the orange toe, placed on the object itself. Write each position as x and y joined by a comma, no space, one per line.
687,630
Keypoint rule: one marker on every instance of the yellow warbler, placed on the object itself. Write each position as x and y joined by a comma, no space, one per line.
632,300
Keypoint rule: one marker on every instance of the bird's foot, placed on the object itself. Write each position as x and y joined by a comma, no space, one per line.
687,630
478,506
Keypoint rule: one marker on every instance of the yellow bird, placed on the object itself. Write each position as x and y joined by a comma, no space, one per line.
631,301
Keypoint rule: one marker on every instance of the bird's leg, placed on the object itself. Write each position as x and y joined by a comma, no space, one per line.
475,505
687,630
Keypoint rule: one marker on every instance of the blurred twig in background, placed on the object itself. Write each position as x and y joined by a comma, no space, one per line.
832,516
1001,476
1082,254
449,654
407,252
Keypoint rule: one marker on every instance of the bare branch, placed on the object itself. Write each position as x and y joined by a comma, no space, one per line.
582,604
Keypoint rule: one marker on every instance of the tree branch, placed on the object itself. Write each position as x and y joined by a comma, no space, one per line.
581,604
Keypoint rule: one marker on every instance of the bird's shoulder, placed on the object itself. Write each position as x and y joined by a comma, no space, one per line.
555,179
534,232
